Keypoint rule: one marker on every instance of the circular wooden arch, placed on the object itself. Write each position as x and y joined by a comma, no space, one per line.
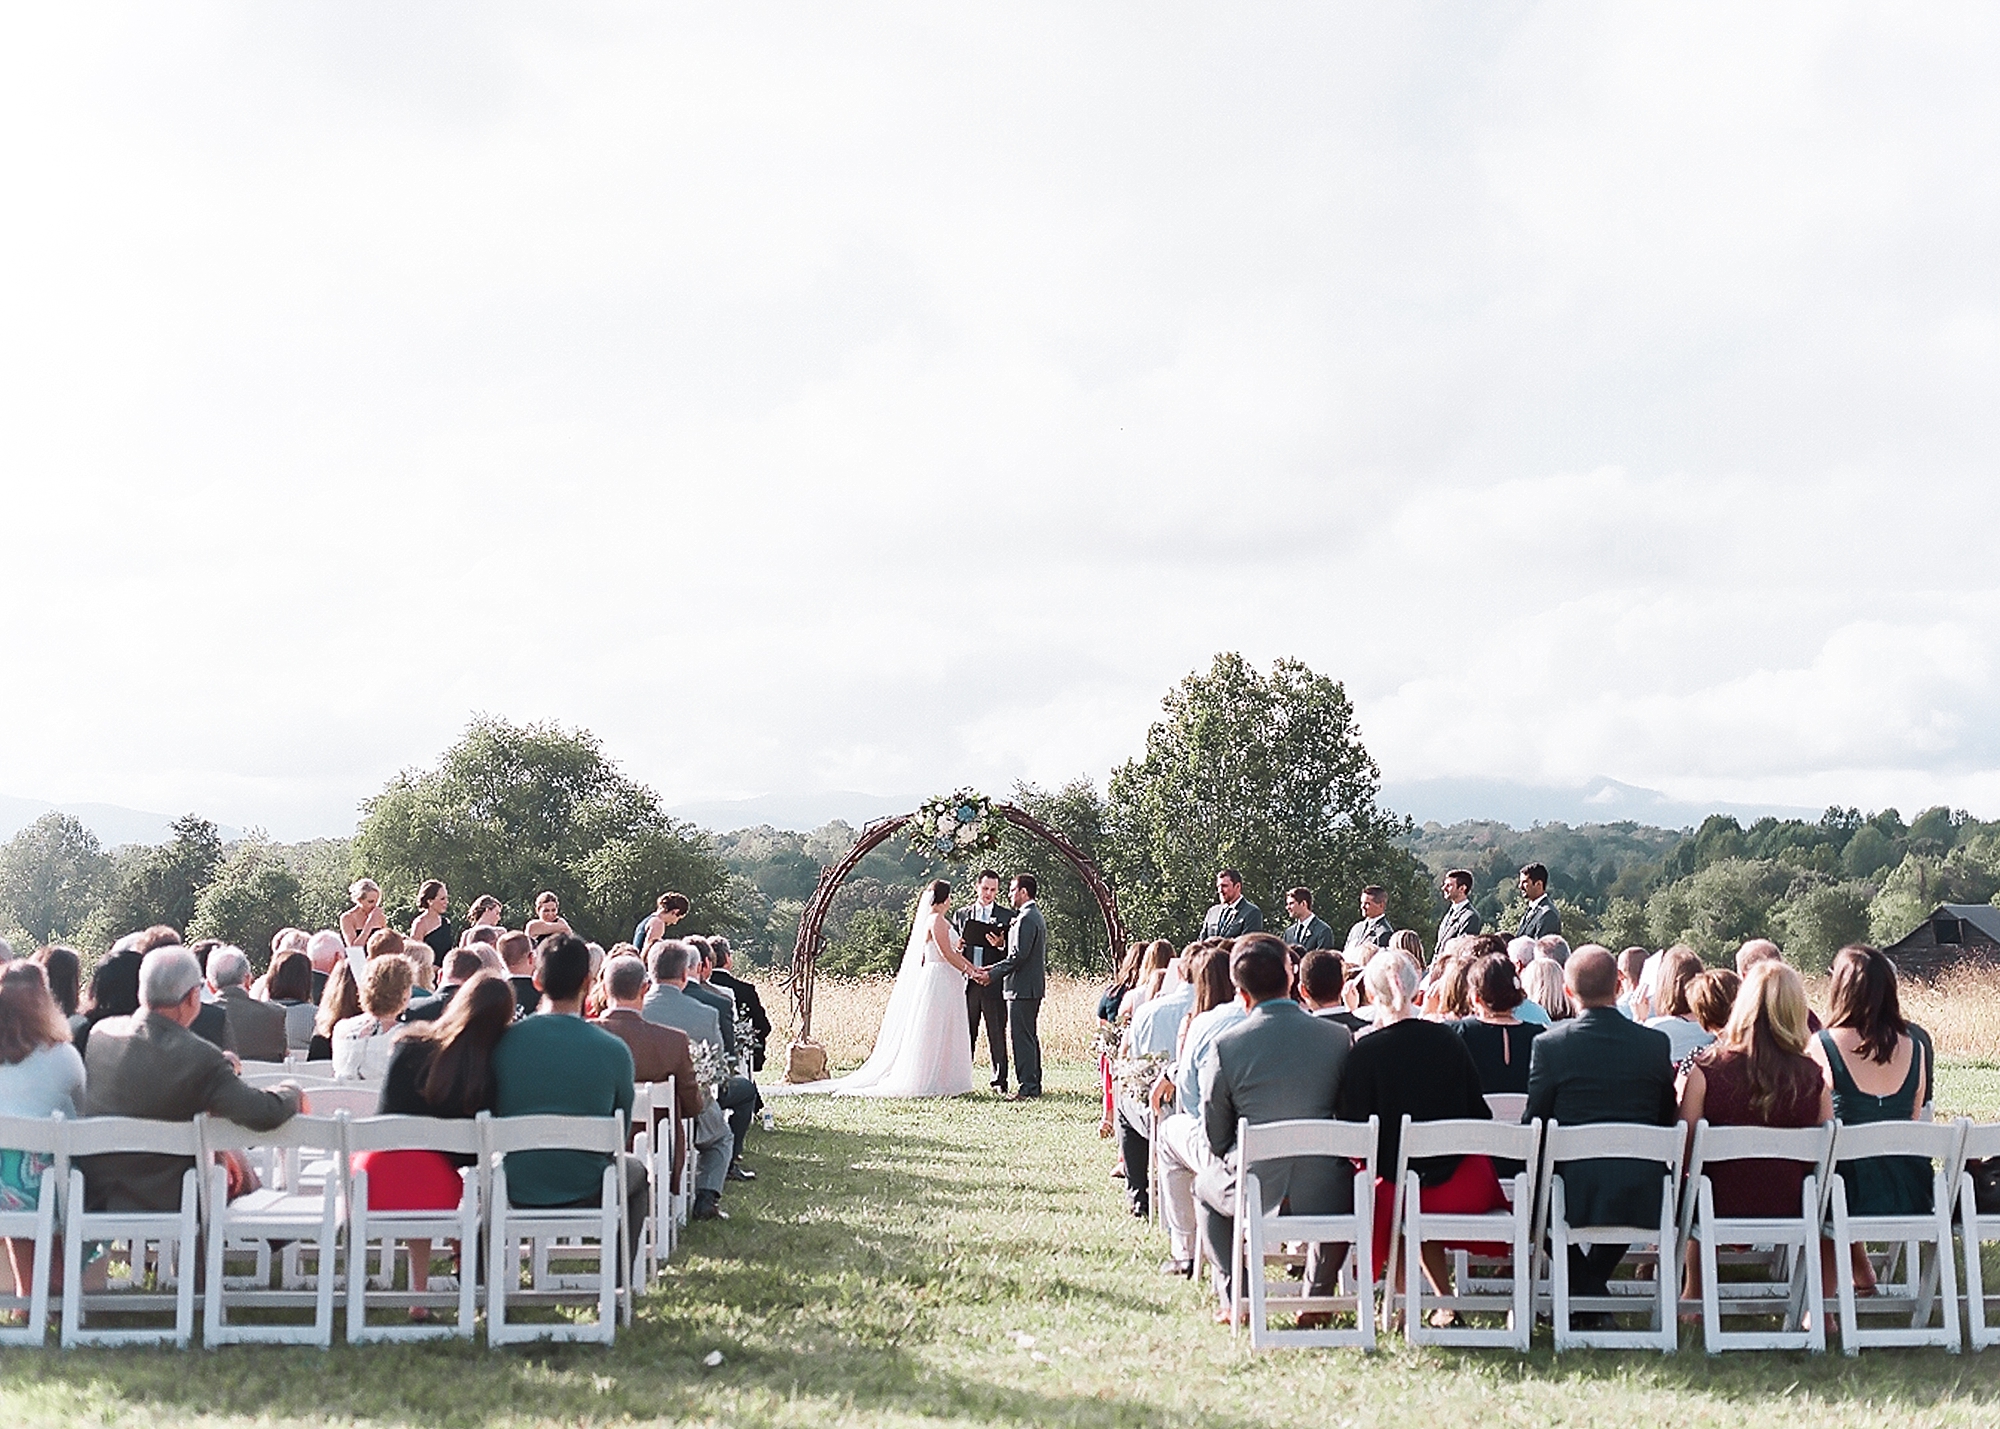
812,923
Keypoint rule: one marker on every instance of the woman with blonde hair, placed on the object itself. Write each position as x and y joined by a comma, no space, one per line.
1542,980
1152,972
361,1043
1679,967
358,922
1405,940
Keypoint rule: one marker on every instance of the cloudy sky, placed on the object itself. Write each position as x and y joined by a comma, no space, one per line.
1595,390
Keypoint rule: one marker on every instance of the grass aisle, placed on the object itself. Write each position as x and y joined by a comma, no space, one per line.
891,1266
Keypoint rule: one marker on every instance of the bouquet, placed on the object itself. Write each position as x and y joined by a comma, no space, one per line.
954,827
711,1067
746,1042
1134,1076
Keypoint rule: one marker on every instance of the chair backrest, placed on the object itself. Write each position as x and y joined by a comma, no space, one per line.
1625,1140
220,1135
1507,1106
45,1135
251,1069
1508,1140
1937,1140
1758,1143
352,1098
665,1097
98,1135
604,1134
1282,1140
458,1136
1982,1139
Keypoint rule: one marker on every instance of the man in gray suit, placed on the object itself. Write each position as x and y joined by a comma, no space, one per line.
1461,919
1308,932
256,1029
1373,930
670,1005
1024,975
1278,1064
149,1065
1541,919
1232,915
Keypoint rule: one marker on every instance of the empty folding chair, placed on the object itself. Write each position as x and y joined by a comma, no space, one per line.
38,1137
307,1219
1795,1289
601,1224
446,1136
1662,1145
661,1127
1980,1143
1414,1227
173,1231
1260,1230
1923,1286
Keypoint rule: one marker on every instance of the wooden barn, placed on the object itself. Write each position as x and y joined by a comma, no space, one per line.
1954,932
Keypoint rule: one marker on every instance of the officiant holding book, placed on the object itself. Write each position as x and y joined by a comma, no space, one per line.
983,926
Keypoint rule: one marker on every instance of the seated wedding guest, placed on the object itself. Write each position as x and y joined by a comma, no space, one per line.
660,1053
1542,981
517,951
1277,1063
362,1043
558,1064
360,921
1321,976
1152,974
114,990
289,986
670,1005
460,966
723,975
431,927
256,1030
1601,1066
1759,950
1631,963
701,990
340,1001
1407,1066
1154,1030
1124,978
1522,950
1880,1069
1450,996
324,949
548,917
1756,1073
1179,1136
1498,1040
1680,967
441,1068
40,1074
1554,947
1406,940
668,910
1712,997
212,1023
64,970
150,1065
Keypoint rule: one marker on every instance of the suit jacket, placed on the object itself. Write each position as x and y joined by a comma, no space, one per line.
1310,935
750,1000
1541,919
432,1008
256,1029
1603,1066
1024,972
211,1024
671,1007
1226,920
976,950
525,996
150,1066
1377,931
1460,922
725,1014
660,1052
1278,1064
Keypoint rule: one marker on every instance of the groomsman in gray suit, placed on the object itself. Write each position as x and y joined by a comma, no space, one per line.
1461,920
1024,974
986,1002
1232,915
1541,919
1374,929
1308,932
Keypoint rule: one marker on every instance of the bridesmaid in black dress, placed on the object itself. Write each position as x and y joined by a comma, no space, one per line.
431,926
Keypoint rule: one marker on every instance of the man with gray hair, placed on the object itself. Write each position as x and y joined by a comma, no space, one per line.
1521,951
670,1005
1555,947
149,1065
660,1052
255,1029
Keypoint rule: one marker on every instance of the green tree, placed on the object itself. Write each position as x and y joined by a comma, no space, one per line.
1817,922
165,883
1076,927
1719,908
252,895
53,876
872,940
514,809
1264,773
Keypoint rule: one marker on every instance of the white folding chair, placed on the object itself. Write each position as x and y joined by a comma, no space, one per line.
654,1114
1981,1141
307,1218
1796,1290
1413,1227
281,1071
509,1224
1260,1229
35,1136
1663,1145
1507,1106
173,1230
451,1137
1922,1287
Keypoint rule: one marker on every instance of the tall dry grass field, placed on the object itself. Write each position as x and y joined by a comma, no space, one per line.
847,1013
1961,1010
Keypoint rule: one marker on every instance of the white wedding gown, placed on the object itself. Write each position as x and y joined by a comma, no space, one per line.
923,1049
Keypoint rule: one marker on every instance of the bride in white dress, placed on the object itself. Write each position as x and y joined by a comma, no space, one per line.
922,1049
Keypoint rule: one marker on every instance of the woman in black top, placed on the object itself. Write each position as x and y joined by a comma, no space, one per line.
1496,1038
431,926
1406,1066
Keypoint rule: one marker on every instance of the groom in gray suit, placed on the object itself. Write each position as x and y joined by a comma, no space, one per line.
1024,975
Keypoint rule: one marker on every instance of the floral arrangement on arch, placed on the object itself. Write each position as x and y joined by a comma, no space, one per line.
954,827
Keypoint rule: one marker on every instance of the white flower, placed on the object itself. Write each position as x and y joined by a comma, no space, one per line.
712,1359
946,824
967,833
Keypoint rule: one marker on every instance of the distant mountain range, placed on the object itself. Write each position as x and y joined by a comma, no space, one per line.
113,824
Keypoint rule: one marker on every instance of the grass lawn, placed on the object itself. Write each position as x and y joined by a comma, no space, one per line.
891,1266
